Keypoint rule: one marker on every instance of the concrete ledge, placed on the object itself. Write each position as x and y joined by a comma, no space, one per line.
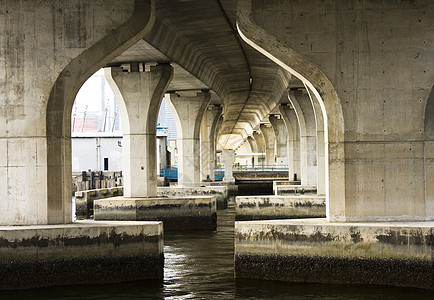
181,213
291,189
84,200
80,253
220,192
279,207
313,250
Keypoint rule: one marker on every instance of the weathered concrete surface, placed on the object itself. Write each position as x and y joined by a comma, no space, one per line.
181,213
219,192
228,160
84,199
47,50
371,65
188,109
80,253
279,207
291,189
313,250
139,94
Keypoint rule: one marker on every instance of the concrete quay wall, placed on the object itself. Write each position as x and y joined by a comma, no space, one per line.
220,192
180,213
279,207
313,250
80,253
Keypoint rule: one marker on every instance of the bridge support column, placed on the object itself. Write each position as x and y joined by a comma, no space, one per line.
280,132
142,93
270,141
189,113
207,145
306,119
228,160
254,147
260,142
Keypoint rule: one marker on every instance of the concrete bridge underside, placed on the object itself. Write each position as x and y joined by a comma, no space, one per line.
364,70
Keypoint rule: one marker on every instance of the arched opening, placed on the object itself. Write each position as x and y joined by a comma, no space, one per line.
96,143
324,92
60,102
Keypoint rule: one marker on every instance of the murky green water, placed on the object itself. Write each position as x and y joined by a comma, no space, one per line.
200,266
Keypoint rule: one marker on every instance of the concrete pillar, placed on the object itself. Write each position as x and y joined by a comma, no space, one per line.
254,147
428,155
207,141
321,144
291,123
306,117
260,142
228,160
281,134
141,93
188,112
270,141
46,55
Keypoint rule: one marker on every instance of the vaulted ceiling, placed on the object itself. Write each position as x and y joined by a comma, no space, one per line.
199,39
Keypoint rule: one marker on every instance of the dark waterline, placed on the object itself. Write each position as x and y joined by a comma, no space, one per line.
200,266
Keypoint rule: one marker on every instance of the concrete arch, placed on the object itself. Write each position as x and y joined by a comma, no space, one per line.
320,142
306,119
58,118
188,112
323,89
429,155
291,122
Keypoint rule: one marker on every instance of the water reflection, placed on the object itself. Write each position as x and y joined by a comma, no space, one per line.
200,266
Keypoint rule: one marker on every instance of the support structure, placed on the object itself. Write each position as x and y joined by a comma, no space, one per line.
306,119
228,160
280,132
207,141
254,146
188,111
270,141
291,122
141,93
260,142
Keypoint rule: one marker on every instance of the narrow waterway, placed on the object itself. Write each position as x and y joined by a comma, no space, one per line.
200,266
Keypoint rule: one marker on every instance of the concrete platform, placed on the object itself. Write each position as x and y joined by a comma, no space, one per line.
220,192
80,253
84,200
180,213
313,250
279,207
293,189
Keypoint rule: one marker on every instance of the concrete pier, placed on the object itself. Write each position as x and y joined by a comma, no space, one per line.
84,200
86,252
279,207
180,213
284,189
219,192
313,250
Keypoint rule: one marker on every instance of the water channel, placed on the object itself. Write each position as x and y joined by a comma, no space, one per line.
200,266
